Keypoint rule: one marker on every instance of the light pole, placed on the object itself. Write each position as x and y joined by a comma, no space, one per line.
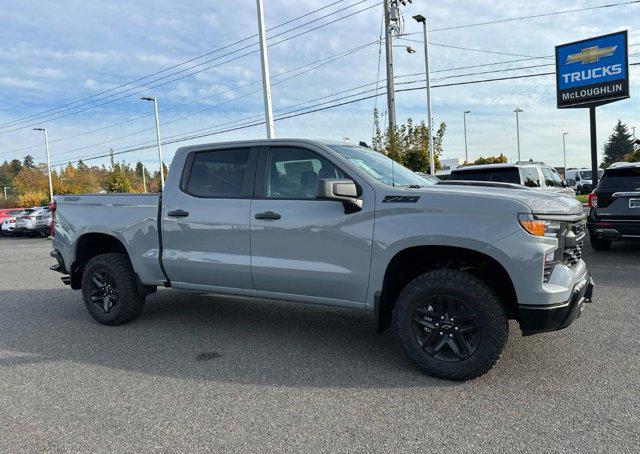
517,111
421,19
466,150
155,110
564,152
266,82
46,147
144,180
5,193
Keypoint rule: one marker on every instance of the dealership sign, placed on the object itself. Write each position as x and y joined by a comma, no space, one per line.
592,72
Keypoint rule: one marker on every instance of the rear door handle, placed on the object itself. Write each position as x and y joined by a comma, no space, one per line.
268,215
178,214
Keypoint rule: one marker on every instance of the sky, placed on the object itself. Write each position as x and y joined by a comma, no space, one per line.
53,55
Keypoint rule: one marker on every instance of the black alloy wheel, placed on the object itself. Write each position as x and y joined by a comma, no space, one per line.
103,290
446,328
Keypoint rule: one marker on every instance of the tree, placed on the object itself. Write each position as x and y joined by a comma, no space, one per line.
408,144
28,162
116,178
501,159
619,144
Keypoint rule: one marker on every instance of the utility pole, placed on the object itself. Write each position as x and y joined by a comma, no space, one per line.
46,147
144,180
266,82
423,21
517,111
564,152
466,150
633,130
5,193
390,15
155,110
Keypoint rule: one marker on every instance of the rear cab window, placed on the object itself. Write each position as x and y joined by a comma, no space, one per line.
500,175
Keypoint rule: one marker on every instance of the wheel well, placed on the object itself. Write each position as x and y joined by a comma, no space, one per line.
410,263
88,246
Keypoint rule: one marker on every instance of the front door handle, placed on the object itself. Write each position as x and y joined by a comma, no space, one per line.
178,214
268,215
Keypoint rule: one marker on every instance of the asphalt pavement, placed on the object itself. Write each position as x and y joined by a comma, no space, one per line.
198,373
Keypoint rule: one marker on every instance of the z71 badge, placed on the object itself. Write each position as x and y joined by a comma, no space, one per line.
401,199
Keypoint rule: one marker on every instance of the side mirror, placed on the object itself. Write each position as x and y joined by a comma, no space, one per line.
570,182
344,191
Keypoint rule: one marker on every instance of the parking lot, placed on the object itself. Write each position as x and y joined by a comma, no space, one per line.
204,373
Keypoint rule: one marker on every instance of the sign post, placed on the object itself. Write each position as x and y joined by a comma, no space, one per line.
590,73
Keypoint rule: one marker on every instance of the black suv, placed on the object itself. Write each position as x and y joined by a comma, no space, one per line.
614,212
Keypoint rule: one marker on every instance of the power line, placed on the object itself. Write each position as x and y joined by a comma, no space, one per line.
177,64
309,67
532,16
315,108
146,88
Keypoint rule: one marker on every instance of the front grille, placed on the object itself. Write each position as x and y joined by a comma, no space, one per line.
572,242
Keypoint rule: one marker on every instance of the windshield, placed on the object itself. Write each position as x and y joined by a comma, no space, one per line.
379,167
586,174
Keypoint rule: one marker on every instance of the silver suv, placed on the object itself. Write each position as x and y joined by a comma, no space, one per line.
535,175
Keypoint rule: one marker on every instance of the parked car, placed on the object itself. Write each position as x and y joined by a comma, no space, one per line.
36,221
8,214
294,220
430,178
535,175
9,223
614,212
580,179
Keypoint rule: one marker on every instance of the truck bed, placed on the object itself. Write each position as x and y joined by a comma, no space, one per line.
132,218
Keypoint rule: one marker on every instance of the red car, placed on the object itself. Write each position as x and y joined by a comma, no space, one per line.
8,214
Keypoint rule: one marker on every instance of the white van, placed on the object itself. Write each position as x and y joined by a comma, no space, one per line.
580,179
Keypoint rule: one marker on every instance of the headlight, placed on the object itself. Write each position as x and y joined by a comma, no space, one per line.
539,227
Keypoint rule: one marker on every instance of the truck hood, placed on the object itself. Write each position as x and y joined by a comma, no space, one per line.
539,202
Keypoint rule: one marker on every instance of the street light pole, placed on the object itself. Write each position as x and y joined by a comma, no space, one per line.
564,151
421,19
466,150
155,110
144,180
46,147
388,48
5,193
517,111
266,82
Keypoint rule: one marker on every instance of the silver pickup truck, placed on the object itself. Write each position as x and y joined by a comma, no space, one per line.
339,225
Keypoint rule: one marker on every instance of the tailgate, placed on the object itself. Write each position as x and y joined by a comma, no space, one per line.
622,206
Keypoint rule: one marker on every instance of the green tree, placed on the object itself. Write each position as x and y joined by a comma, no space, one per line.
28,162
116,178
501,159
408,144
619,144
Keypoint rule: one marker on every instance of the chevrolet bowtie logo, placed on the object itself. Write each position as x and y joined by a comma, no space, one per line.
591,54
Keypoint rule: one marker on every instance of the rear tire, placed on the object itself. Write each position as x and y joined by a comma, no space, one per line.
456,348
600,244
109,289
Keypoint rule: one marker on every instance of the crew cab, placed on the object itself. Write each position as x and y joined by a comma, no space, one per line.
614,206
335,224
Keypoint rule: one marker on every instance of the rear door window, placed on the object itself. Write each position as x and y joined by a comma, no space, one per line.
530,177
219,174
500,175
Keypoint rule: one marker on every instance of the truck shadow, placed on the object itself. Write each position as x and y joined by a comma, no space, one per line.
202,337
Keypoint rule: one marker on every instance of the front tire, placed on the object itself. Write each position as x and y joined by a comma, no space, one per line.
600,244
451,324
109,289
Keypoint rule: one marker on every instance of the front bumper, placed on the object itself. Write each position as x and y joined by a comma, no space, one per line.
540,319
